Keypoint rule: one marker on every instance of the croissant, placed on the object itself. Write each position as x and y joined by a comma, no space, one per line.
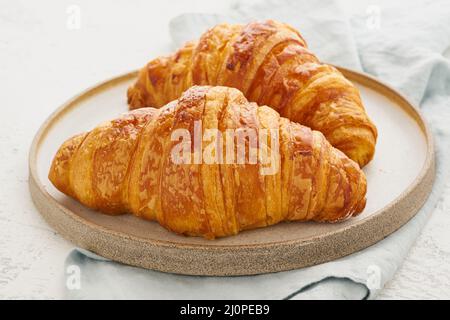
270,63
131,164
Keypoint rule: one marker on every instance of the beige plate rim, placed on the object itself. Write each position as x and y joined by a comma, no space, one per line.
421,185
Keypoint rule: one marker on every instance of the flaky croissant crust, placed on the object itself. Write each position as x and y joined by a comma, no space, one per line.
270,63
126,165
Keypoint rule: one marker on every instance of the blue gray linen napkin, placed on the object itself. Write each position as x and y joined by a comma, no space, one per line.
405,48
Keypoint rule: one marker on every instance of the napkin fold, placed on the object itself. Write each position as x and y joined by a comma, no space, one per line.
406,48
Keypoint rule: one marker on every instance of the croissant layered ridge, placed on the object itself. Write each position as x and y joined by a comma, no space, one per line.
271,64
210,164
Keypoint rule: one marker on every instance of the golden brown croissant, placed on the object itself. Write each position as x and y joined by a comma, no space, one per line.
130,164
270,63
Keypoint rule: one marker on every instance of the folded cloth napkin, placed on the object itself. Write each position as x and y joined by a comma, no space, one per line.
405,48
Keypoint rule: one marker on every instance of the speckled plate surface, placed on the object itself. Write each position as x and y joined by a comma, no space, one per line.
400,178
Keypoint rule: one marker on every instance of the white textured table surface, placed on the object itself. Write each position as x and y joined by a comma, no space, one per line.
44,61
